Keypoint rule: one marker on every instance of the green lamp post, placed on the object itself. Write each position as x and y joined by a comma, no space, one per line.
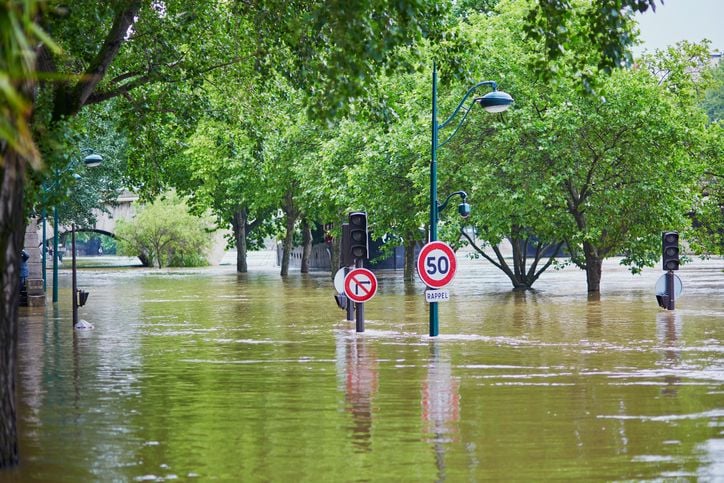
90,161
495,101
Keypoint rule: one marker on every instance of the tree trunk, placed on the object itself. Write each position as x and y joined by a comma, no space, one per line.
518,275
306,246
287,245
336,248
593,267
409,272
11,242
238,224
291,215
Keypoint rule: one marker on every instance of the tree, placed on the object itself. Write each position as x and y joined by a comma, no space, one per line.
290,146
165,234
219,171
18,32
625,169
707,234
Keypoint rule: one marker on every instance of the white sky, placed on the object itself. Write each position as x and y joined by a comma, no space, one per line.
676,20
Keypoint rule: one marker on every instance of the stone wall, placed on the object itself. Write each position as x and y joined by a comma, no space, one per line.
34,284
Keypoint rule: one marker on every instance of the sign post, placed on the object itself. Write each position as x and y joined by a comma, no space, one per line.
436,267
360,285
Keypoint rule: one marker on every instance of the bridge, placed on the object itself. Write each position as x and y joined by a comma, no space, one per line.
105,224
105,221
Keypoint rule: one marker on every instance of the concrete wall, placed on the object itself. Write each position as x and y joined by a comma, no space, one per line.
34,284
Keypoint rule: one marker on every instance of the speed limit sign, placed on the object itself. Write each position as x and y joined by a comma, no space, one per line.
436,264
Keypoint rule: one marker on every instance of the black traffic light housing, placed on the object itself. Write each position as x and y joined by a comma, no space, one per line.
670,250
358,248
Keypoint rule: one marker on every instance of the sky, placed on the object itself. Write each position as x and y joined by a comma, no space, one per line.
676,20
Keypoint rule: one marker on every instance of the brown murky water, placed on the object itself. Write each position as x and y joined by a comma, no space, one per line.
205,374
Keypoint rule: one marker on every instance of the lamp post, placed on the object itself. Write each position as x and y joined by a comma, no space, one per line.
91,161
494,101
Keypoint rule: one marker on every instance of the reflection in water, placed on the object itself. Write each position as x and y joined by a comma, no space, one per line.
668,333
440,405
357,366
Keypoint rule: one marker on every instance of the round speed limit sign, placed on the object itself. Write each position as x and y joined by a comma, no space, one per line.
436,264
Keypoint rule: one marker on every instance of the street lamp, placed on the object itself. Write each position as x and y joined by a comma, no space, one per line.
90,161
495,101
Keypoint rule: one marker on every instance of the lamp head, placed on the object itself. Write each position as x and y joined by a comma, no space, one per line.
495,101
464,209
93,160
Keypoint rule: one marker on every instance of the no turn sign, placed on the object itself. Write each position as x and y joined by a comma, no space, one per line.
360,285
436,264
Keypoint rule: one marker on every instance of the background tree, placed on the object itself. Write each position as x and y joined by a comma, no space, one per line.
165,234
220,171
707,234
291,145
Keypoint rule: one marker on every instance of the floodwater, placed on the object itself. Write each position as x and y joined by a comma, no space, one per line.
208,375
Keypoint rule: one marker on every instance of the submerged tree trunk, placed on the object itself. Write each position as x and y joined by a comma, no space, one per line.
11,242
336,252
306,246
521,275
238,224
594,264
291,214
409,272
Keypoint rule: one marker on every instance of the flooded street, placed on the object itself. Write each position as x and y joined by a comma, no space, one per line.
212,375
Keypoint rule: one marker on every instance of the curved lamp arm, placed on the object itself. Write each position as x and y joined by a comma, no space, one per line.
443,205
447,121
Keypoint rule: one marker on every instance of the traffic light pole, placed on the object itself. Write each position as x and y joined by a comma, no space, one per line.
360,307
670,294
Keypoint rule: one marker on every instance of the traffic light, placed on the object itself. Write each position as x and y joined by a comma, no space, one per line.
358,235
670,250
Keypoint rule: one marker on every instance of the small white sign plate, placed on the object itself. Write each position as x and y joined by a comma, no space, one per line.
437,295
339,280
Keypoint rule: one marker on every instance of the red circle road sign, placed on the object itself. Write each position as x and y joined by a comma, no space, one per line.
360,285
436,264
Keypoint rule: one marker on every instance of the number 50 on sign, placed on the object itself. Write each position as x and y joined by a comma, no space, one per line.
436,264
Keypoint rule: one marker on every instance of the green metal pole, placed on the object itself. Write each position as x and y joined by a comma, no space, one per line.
45,238
434,322
75,279
56,233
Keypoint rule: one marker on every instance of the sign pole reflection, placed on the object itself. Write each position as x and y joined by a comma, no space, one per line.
358,372
440,404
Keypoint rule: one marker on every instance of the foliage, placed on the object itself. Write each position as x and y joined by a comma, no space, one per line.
164,234
707,234
713,101
18,31
583,37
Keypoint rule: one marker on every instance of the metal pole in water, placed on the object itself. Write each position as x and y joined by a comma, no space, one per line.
360,315
350,304
75,283
671,296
